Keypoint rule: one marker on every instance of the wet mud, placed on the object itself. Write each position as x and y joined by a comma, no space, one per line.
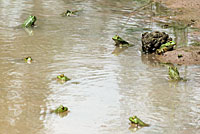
182,56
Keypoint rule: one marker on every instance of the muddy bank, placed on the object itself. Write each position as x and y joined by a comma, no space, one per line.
182,56
166,51
187,10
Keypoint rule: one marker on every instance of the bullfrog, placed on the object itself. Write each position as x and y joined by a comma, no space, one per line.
173,73
28,60
69,13
166,47
63,78
29,22
136,122
119,42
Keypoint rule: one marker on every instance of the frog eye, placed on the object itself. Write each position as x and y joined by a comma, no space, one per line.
135,120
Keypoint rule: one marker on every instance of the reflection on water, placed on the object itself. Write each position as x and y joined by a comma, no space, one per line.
110,88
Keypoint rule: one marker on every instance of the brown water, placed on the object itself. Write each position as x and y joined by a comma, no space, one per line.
111,87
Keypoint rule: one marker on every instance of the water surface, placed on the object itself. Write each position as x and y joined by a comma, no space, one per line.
110,88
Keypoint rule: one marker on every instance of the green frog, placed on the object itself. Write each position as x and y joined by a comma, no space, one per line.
30,22
60,109
173,73
119,42
69,13
166,47
137,122
63,78
28,60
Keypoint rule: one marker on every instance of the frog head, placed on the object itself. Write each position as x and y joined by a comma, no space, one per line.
134,120
28,59
68,13
117,38
173,43
33,19
63,78
61,109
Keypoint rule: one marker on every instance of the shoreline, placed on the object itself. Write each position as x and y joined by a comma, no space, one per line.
188,10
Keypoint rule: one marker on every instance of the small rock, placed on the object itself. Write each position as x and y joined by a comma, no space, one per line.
152,41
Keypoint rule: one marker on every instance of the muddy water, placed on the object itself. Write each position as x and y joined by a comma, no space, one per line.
106,88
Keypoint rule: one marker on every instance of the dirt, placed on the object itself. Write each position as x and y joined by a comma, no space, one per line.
182,56
187,10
